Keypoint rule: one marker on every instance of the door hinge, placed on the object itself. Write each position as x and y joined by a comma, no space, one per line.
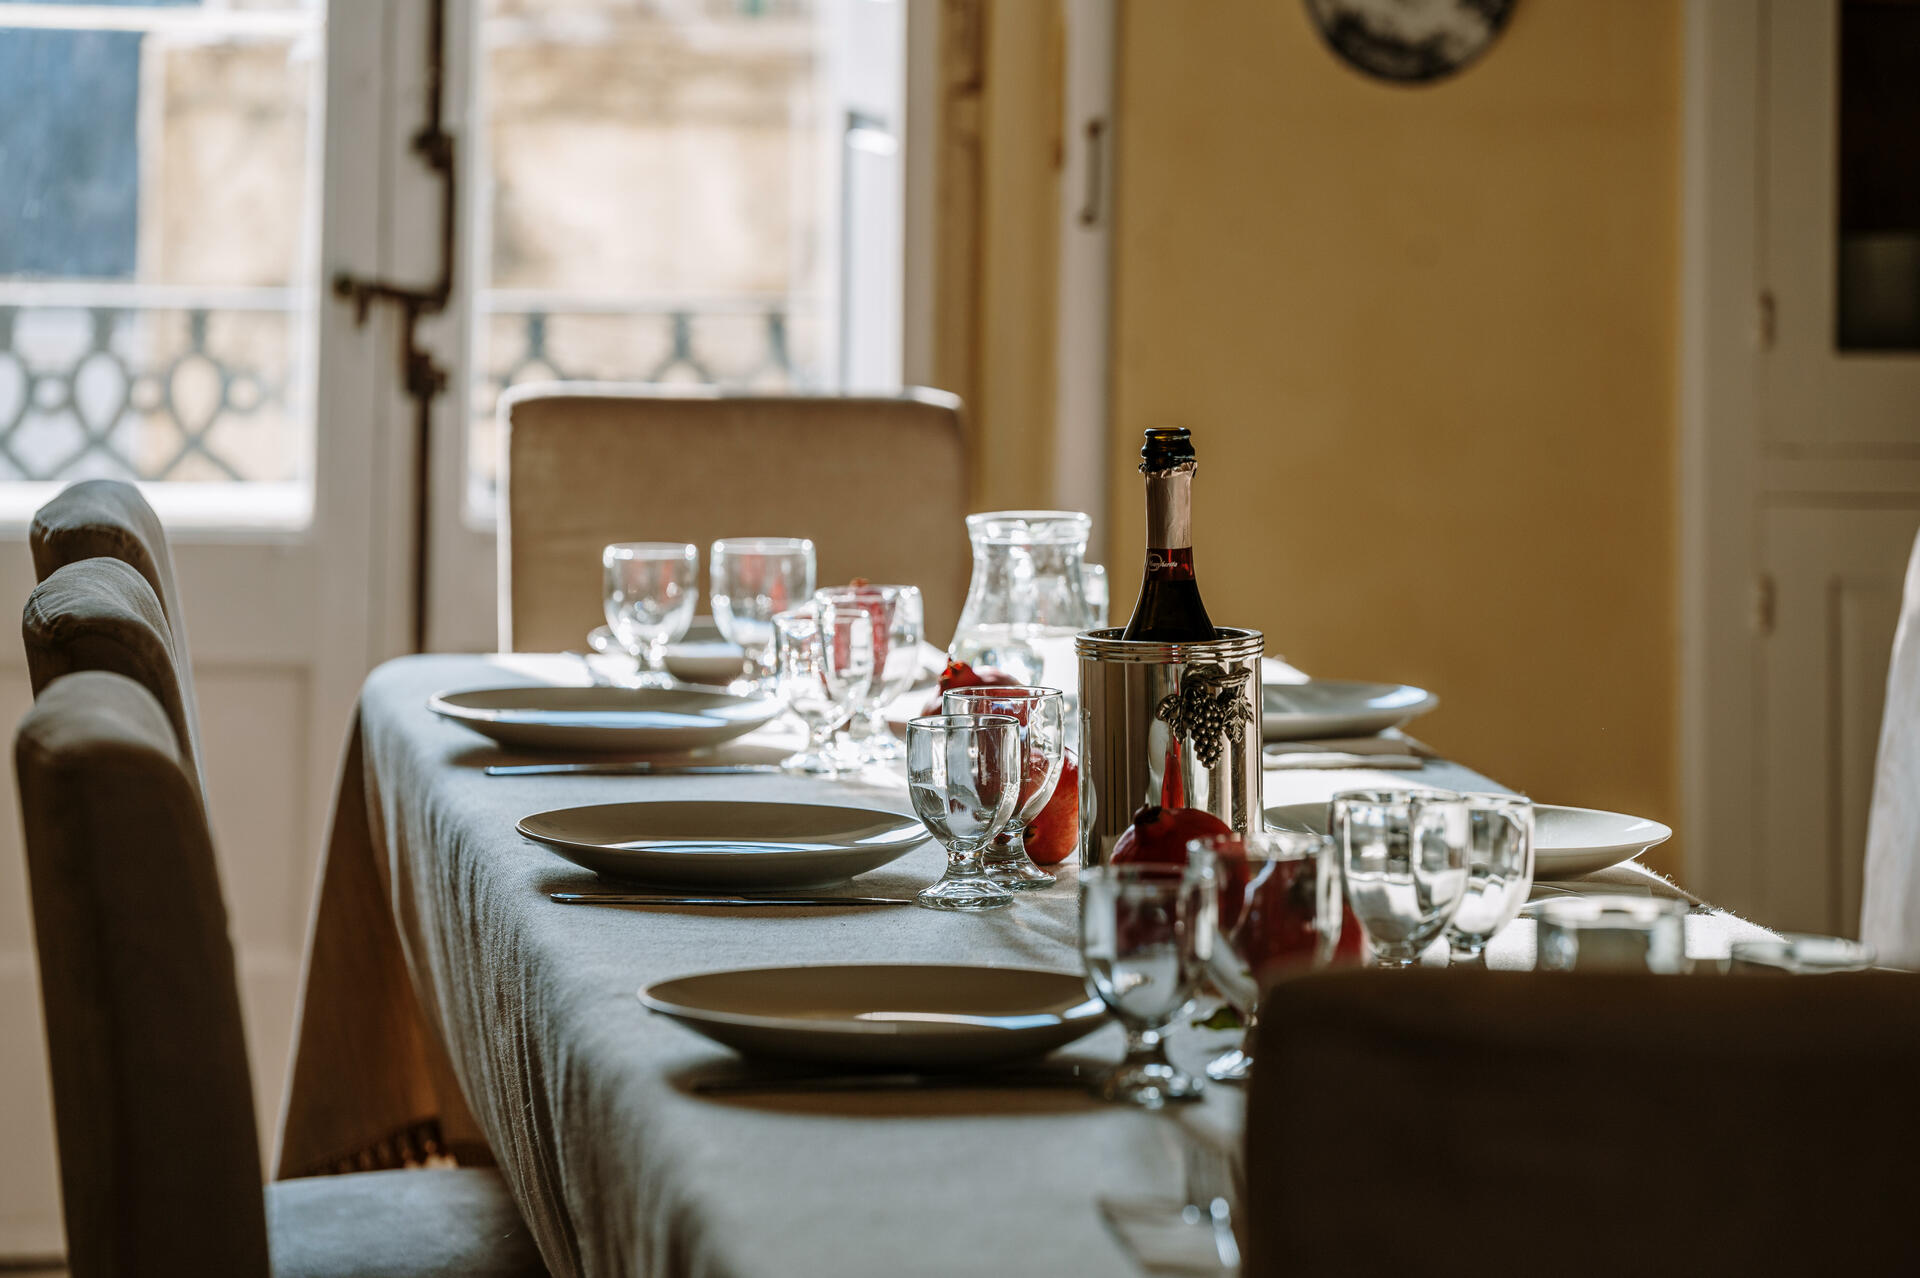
1764,596
1768,319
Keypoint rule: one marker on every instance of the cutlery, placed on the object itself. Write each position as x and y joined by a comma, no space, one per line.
629,769
1304,759
1073,1076
622,898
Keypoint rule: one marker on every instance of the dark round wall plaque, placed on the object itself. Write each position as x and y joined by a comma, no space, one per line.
1409,41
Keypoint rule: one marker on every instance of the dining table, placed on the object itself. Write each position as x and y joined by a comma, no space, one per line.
449,1005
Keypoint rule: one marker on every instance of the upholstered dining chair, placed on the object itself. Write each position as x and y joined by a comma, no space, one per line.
102,614
1890,894
878,482
1448,1122
107,518
159,1155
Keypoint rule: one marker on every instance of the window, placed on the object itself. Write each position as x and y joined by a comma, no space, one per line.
157,218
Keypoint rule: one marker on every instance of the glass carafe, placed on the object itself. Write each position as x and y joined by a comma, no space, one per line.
1026,601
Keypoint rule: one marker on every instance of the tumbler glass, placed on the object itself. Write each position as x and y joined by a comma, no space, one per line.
1146,933
647,592
1279,915
963,777
1499,874
749,579
1403,858
1041,714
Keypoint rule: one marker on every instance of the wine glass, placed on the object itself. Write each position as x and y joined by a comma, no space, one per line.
1403,860
648,595
964,780
1279,915
749,580
899,625
1041,714
823,660
1499,874
1611,934
1146,934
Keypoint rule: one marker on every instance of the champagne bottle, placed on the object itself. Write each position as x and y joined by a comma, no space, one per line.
1169,609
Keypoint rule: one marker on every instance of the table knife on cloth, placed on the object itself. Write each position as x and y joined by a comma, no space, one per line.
627,898
641,769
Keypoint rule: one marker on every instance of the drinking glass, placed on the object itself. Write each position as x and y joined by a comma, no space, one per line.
823,658
1041,714
1403,858
1093,584
1146,933
1279,912
1499,873
899,624
1611,934
963,777
749,579
648,590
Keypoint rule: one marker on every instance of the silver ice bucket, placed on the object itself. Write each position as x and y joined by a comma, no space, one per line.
1170,725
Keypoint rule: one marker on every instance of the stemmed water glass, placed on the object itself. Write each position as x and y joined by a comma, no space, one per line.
899,625
1146,934
1403,860
823,659
749,579
647,590
1499,874
1041,714
963,778
1279,915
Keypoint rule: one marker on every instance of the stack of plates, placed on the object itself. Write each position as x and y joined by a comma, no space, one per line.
1337,708
1567,842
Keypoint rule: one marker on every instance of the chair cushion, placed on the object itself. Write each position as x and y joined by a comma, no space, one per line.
107,518
399,1224
100,614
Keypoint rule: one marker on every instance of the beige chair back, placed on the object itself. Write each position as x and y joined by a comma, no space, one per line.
1890,895
100,614
159,1157
1448,1122
105,518
878,482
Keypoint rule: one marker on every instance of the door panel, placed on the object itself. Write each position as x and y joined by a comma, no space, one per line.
1837,575
203,359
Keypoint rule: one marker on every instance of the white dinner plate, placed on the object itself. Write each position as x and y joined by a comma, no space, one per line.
729,846
1567,842
1337,708
541,717
897,1015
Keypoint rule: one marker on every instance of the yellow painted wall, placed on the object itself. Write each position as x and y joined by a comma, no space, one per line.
1426,340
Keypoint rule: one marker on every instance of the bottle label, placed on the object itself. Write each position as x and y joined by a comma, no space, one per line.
1164,564
1170,511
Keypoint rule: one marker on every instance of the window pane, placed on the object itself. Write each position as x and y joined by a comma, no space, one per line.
156,241
661,198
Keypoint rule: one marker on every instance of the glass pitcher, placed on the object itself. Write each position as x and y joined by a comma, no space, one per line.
1026,601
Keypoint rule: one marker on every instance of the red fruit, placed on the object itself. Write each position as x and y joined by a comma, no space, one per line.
1054,832
959,674
1279,933
1162,834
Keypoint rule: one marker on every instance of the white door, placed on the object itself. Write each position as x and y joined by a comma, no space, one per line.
1803,492
162,318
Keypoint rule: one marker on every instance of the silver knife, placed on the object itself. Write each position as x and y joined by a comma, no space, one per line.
1073,1076
628,769
621,898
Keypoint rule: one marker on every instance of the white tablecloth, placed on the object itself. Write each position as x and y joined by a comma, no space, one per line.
583,1095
